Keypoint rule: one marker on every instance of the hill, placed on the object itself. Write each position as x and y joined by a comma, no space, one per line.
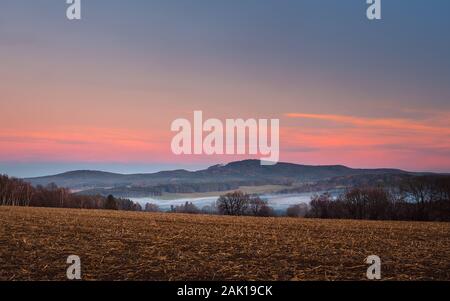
214,178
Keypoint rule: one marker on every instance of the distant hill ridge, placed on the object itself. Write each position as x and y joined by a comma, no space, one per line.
247,172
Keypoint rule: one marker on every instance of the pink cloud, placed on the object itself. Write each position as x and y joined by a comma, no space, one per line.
370,142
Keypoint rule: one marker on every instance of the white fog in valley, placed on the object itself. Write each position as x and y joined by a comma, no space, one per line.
278,202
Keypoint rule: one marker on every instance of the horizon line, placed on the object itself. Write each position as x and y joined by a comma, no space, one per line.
225,164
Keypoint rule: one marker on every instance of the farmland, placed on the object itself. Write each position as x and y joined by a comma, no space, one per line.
113,245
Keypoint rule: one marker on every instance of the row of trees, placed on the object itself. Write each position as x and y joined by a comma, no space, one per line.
422,198
239,203
16,192
236,203
187,207
425,198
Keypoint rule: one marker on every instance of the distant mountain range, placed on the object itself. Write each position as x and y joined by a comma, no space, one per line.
215,178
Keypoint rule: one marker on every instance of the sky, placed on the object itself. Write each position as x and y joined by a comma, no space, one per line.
102,92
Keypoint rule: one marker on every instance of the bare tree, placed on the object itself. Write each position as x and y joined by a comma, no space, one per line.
151,207
255,205
235,203
298,210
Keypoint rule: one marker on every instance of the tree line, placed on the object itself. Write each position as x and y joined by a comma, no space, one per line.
235,203
16,192
416,198
421,198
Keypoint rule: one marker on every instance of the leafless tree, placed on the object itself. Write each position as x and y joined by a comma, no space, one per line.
235,203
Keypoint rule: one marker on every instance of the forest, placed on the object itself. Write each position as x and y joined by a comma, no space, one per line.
420,198
16,192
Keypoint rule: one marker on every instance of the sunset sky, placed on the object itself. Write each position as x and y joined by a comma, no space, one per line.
101,93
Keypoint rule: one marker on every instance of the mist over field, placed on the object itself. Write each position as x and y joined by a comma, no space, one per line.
279,202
